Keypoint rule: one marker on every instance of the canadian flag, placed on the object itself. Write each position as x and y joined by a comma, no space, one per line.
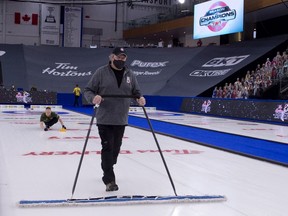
25,18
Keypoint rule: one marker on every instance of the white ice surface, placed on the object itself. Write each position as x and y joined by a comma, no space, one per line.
42,165
265,131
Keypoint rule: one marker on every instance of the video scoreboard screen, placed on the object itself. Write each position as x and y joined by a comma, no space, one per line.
216,17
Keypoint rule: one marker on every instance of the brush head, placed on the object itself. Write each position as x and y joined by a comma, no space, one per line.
122,200
62,130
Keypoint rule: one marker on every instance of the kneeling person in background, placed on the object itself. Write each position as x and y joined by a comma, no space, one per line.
49,118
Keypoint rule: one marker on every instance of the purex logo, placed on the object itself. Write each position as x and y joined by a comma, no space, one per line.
217,16
142,64
225,61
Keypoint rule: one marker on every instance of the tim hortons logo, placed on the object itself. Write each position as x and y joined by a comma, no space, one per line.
66,70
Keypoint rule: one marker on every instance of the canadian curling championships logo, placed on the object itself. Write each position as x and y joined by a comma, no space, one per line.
217,16
23,97
281,112
206,106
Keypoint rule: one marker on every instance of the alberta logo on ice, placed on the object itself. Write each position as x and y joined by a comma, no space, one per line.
281,112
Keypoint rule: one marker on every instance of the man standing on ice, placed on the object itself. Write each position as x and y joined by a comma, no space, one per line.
112,114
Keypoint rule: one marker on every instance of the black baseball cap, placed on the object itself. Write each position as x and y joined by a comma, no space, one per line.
119,51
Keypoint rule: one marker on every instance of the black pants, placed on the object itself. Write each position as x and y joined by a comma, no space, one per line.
51,122
111,141
76,100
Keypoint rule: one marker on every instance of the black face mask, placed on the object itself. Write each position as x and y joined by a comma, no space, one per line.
119,64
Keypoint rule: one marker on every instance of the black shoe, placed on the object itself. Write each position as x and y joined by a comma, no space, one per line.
112,186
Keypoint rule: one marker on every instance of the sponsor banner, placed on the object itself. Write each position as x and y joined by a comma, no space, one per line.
50,24
59,69
4,106
155,67
28,111
42,107
13,73
72,34
163,72
273,111
140,109
214,64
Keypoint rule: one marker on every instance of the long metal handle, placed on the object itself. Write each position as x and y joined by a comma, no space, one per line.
160,151
151,128
83,151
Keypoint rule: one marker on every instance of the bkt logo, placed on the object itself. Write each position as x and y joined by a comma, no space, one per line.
225,61
148,64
